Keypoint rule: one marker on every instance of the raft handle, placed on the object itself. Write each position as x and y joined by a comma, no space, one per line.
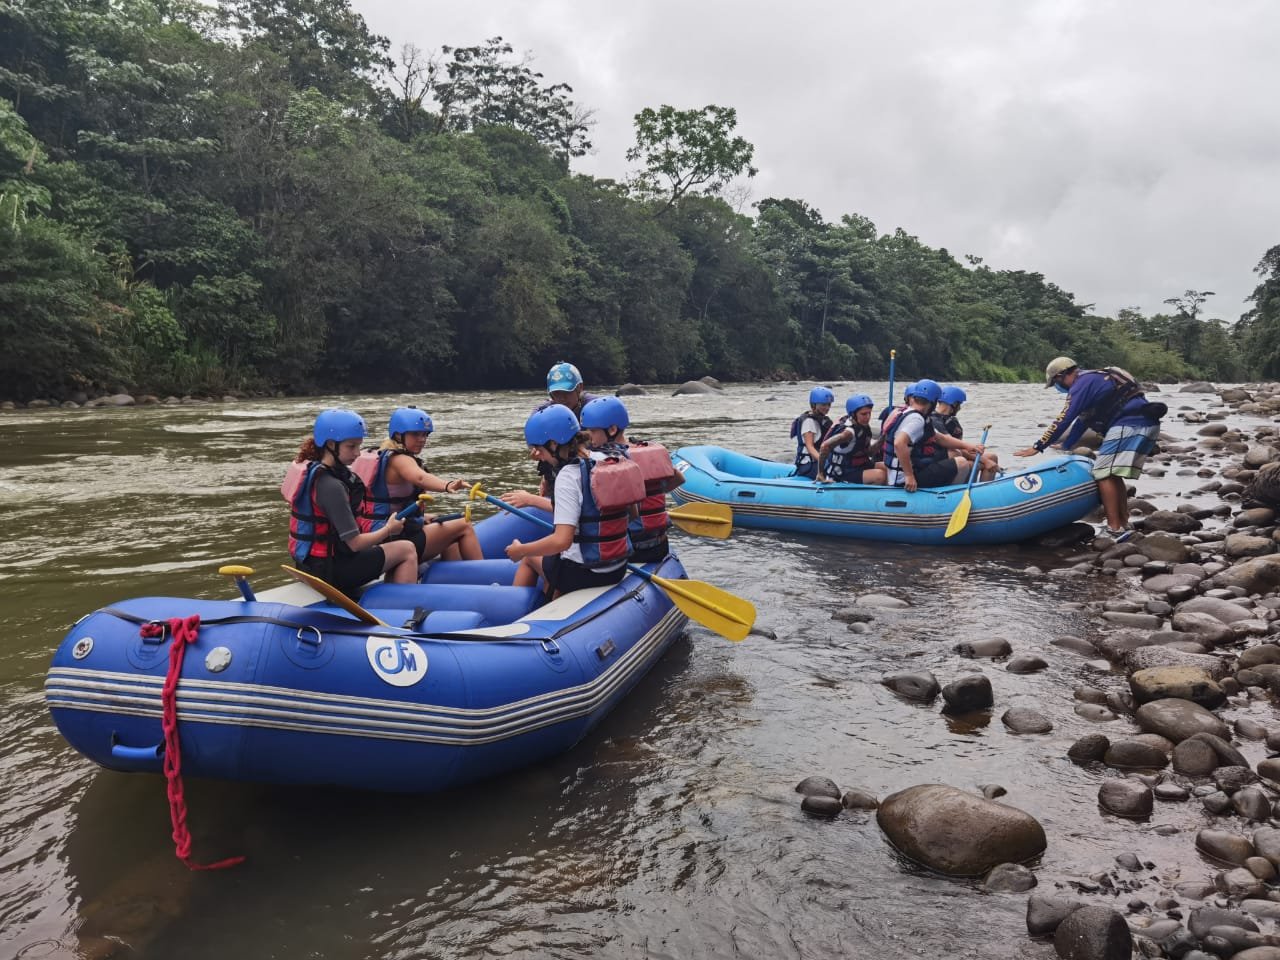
156,636
304,638
137,758
895,503
551,647
746,493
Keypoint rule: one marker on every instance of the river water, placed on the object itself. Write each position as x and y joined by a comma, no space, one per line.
672,831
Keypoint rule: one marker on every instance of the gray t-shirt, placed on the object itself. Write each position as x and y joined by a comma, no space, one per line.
331,494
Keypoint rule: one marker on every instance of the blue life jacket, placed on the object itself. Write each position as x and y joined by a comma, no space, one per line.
923,453
602,539
854,454
806,466
948,424
378,504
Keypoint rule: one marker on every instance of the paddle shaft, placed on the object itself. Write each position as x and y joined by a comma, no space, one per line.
893,359
977,461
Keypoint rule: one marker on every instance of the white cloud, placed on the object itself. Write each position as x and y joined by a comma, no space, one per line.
1126,151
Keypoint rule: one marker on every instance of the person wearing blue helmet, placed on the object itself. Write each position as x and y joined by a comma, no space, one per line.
589,545
324,538
565,388
846,454
947,424
809,428
914,455
394,475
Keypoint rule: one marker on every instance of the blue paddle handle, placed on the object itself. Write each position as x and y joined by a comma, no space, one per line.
409,511
893,359
973,471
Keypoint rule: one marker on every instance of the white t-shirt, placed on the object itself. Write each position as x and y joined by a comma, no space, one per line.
568,504
811,425
912,425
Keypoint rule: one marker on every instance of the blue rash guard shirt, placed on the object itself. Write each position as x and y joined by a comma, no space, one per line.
1090,391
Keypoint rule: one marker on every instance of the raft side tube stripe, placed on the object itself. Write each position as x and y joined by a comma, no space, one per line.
571,703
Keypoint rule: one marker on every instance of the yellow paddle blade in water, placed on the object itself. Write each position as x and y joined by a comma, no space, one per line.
718,610
703,519
333,595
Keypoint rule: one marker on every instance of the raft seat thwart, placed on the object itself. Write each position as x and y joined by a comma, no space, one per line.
396,602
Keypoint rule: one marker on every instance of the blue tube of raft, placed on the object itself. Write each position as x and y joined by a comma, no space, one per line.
472,678
763,494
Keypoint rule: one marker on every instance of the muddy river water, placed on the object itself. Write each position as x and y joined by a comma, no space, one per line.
672,831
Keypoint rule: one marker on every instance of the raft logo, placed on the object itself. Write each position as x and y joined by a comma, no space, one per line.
1031,483
396,660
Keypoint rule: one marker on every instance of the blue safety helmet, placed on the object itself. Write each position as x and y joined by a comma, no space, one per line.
821,395
857,402
926,390
409,420
563,377
338,425
550,423
953,395
603,413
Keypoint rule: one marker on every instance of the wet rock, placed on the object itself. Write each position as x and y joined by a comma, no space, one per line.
1141,621
1223,610
1092,746
1170,792
1258,455
1263,869
1228,756
1075,645
1194,758
1252,804
956,832
1026,663
1266,841
921,687
881,601
991,791
968,694
711,382
1045,911
1255,517
1204,919
1165,547
1225,846
1134,754
1087,694
1184,683
1262,653
1093,933
1248,729
1094,712
1209,630
859,800
1171,522
631,390
1179,719
1203,386
818,787
1269,769
692,387
1239,883
1233,778
987,647
1256,575
1164,582
1009,878
1147,657
118,400
820,806
1125,798
1269,909
1248,545
1216,802
1026,720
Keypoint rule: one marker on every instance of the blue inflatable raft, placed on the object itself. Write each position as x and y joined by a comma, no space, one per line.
764,494
288,689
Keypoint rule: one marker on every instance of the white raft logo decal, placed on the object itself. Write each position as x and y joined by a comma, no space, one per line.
1031,483
396,660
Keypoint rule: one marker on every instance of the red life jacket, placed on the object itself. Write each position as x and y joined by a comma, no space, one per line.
311,535
602,534
379,504
649,530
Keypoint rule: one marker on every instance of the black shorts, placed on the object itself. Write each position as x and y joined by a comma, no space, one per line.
655,554
940,473
415,533
348,571
565,576
854,474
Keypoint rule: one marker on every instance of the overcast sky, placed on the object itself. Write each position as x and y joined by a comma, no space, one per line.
1127,151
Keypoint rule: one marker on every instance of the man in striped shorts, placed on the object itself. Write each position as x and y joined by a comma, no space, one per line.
1111,403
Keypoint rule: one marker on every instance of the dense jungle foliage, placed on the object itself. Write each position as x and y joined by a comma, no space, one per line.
257,196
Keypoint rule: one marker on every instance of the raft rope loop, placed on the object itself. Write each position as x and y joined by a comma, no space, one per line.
184,631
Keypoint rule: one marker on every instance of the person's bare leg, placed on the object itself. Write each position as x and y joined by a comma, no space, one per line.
1115,501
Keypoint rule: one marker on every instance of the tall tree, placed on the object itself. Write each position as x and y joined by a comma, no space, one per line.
687,150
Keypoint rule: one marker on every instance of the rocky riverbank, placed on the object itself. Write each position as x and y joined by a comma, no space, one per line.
1186,655
78,400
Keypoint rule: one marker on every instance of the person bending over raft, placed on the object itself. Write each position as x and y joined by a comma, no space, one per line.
809,428
846,454
324,539
945,422
606,421
1111,403
915,455
394,475
589,547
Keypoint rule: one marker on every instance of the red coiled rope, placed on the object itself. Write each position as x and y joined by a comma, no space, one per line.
183,631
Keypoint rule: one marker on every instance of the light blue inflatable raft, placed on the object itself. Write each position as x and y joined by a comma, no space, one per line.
288,689
764,494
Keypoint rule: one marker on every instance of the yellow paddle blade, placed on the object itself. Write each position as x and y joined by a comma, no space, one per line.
716,609
703,519
333,595
960,517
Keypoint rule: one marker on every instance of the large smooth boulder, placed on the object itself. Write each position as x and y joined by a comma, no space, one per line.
692,387
1256,575
631,390
1248,545
1223,610
711,382
1145,657
958,833
1177,720
1093,933
1183,683
1164,546
922,686
1172,522
1198,386
1208,629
